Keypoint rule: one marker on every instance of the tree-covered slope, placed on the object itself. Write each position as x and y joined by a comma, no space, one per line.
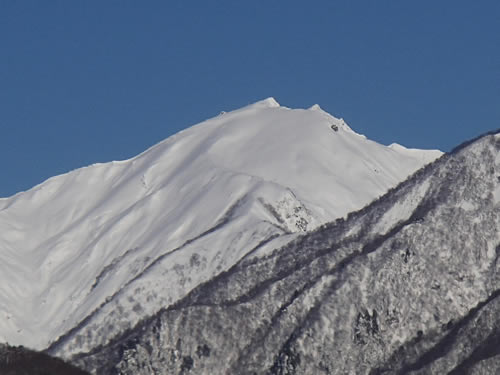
409,284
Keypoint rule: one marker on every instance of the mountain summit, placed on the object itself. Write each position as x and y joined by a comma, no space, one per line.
87,254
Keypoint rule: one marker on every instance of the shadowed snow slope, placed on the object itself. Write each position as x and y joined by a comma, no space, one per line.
87,254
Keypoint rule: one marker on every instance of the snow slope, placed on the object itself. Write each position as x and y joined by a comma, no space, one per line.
89,253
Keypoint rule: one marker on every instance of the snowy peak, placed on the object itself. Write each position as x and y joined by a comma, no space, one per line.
267,103
315,107
139,234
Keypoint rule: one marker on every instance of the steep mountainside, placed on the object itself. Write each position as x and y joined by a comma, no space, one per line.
409,284
87,254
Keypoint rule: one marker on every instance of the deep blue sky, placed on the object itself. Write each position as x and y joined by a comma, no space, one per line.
93,81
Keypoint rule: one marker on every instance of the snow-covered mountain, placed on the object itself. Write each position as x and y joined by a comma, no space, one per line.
408,285
86,255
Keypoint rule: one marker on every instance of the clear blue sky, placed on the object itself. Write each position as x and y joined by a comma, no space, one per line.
93,81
